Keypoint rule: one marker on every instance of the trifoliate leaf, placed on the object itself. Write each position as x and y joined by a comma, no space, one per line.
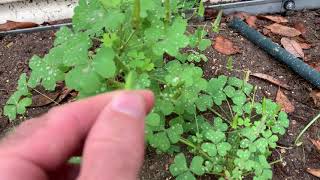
23,103
165,106
83,78
174,39
236,82
10,111
44,72
215,136
204,102
175,132
230,91
215,88
196,165
223,148
204,44
179,165
219,125
153,119
209,148
63,35
160,141
239,98
103,62
186,176
109,39
261,144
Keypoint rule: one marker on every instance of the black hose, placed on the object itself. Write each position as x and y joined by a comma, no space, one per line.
35,29
297,65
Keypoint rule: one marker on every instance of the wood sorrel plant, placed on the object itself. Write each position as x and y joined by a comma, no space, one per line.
117,44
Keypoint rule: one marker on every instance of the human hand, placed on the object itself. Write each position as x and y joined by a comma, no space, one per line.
108,130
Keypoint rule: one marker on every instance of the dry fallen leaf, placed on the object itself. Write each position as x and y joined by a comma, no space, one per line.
225,46
65,92
315,172
271,80
11,25
241,15
283,30
292,47
40,100
315,95
251,21
305,45
277,19
316,143
300,26
283,100
266,31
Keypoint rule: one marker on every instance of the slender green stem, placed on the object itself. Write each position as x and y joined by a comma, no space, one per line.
121,64
136,14
277,161
168,12
296,142
218,114
188,143
124,45
229,106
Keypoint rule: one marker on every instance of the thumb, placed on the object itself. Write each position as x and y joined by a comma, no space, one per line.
114,148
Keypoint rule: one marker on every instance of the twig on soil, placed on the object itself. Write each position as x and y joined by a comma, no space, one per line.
297,142
46,97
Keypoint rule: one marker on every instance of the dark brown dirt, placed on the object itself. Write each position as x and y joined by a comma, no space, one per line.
15,51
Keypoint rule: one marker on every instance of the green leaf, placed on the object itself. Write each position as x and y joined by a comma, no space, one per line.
175,132
215,136
10,111
215,88
223,148
196,166
209,148
230,91
160,141
219,125
204,102
103,63
201,8
186,176
239,98
179,165
174,39
23,103
236,82
153,119
165,106
204,44
216,23
109,39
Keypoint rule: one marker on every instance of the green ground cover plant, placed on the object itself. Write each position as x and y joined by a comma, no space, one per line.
123,44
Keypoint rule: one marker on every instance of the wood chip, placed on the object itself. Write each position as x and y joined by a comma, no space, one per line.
316,143
305,45
292,47
283,30
276,19
271,80
315,95
300,26
314,172
12,25
251,21
225,46
285,103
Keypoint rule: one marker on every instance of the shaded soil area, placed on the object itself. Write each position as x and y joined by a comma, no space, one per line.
16,50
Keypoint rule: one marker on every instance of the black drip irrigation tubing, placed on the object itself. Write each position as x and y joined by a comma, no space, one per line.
35,29
279,53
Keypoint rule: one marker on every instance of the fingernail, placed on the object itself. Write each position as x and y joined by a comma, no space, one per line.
129,104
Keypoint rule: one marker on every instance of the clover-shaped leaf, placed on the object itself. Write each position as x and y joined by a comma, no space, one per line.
219,125
230,91
103,62
236,82
223,148
160,141
196,165
215,136
204,102
239,98
175,132
153,119
281,124
179,165
210,149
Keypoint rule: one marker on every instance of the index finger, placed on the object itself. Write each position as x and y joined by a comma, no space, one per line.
49,141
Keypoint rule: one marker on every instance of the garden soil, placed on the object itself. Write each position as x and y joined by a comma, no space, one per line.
16,50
